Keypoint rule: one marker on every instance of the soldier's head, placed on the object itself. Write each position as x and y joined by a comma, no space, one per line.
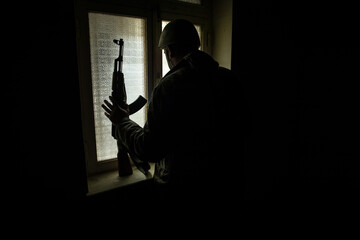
178,38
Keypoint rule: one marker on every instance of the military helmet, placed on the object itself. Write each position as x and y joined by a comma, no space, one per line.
179,31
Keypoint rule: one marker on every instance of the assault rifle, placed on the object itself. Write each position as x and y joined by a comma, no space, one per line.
120,98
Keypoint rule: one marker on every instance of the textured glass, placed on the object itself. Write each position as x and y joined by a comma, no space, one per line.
165,67
104,28
191,1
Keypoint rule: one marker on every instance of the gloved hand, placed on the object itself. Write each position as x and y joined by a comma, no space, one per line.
114,112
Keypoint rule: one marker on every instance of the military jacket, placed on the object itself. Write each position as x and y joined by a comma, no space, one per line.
190,131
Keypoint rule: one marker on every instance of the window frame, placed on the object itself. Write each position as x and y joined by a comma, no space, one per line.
154,12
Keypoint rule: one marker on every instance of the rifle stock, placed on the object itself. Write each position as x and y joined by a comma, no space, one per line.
119,96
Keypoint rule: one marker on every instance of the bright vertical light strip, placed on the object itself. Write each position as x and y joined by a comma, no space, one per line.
103,29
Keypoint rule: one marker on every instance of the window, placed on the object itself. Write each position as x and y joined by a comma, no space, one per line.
139,24
103,29
191,1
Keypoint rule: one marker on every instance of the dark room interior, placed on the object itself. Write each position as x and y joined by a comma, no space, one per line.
301,63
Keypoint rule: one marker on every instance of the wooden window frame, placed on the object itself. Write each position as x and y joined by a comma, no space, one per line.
153,11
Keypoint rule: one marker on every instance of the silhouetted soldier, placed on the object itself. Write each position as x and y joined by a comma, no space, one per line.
195,122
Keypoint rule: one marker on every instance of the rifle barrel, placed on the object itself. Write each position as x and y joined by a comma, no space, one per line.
121,49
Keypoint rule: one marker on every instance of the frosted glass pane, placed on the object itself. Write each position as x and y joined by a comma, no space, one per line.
191,1
165,67
104,28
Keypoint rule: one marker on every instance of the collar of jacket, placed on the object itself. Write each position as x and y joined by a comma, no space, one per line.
182,63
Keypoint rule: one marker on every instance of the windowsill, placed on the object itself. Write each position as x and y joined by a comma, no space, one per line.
110,180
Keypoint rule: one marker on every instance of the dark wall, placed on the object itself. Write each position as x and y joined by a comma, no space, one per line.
301,64
46,147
